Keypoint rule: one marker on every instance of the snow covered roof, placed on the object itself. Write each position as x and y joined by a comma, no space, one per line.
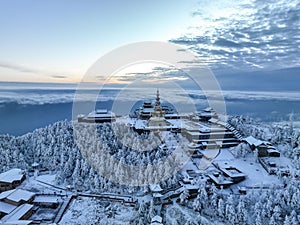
273,150
162,146
220,180
11,175
101,111
4,194
17,195
253,141
101,114
222,123
18,222
232,172
157,195
175,122
201,127
172,114
159,127
204,130
156,223
17,214
45,199
156,220
221,134
208,109
140,124
6,208
177,191
148,110
191,187
193,145
281,162
155,188
206,114
213,120
35,164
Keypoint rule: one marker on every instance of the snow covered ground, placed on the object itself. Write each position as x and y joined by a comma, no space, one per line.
256,174
90,211
44,184
176,214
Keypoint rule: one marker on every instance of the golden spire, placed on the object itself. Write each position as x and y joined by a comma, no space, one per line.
157,97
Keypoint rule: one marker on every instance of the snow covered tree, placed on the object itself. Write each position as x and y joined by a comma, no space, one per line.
203,196
277,212
230,212
184,196
258,220
221,208
242,211
293,218
241,150
286,221
272,221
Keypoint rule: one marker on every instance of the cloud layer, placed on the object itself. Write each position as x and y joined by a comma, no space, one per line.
156,75
24,69
55,96
245,35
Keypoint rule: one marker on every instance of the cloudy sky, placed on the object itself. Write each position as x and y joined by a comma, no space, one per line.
58,40
246,35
